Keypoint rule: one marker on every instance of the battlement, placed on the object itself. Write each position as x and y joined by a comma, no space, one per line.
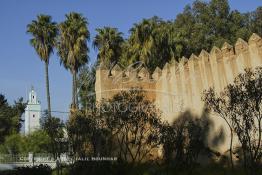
226,53
178,86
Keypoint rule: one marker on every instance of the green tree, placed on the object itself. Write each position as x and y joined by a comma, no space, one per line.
207,24
242,105
72,46
54,128
38,142
109,42
86,85
14,144
80,128
256,21
145,42
10,117
133,126
220,106
201,25
44,32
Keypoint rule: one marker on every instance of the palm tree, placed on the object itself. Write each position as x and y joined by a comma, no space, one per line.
44,32
142,40
151,42
109,42
72,46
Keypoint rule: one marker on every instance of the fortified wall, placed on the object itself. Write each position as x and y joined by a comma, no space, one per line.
179,85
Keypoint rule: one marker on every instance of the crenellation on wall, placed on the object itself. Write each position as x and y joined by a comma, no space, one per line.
241,46
228,63
178,86
204,55
174,91
157,74
130,74
227,50
255,45
116,70
166,70
191,81
255,39
182,78
188,88
242,56
215,55
101,66
205,69
143,74
188,77
196,81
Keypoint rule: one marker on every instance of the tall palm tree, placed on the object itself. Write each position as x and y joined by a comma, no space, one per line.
109,42
44,32
151,42
72,46
142,40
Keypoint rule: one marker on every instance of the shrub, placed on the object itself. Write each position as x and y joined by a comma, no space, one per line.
34,170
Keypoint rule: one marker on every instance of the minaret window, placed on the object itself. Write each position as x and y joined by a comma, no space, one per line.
33,115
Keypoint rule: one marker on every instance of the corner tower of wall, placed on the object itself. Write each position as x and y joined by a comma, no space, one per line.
110,82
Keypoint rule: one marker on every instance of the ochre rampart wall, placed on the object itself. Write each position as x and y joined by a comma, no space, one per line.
179,85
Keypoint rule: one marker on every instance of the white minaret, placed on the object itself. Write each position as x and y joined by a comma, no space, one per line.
32,113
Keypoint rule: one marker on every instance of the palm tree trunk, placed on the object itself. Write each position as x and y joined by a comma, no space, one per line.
76,94
47,89
73,91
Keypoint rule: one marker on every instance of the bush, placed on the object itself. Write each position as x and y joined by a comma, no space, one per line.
96,168
35,170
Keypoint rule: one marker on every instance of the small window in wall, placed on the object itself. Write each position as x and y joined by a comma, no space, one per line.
33,97
33,115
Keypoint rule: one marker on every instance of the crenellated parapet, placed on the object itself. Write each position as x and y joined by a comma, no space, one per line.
178,86
182,83
111,81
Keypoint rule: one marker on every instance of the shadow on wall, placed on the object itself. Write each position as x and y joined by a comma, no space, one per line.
188,141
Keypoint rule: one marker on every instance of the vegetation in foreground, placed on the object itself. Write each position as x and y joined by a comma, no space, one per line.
81,168
129,127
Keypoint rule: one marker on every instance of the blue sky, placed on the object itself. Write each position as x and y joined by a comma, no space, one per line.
20,67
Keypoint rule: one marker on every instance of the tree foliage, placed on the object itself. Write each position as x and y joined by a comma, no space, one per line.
109,43
36,142
10,117
44,32
201,25
127,126
72,46
86,85
242,105
80,128
134,125
219,105
13,144
55,130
